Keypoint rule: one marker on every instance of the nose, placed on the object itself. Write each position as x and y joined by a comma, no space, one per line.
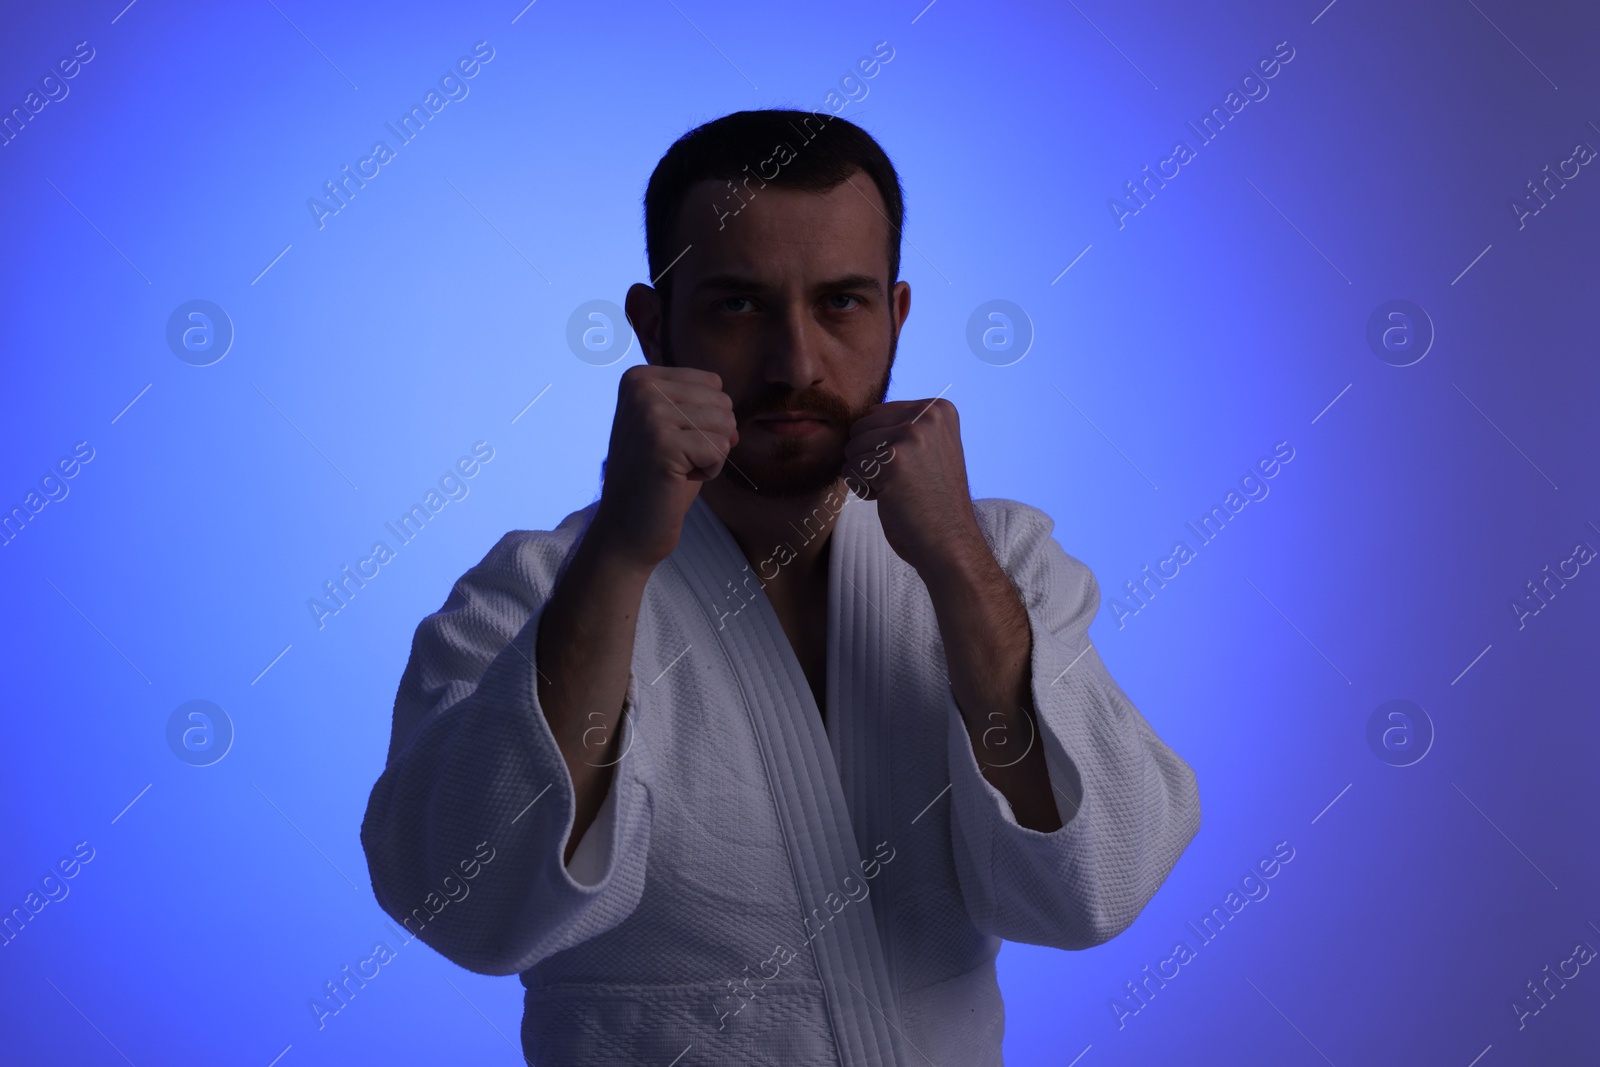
795,351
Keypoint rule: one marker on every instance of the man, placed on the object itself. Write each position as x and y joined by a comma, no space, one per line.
772,745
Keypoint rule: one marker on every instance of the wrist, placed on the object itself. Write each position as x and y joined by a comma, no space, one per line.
958,565
605,546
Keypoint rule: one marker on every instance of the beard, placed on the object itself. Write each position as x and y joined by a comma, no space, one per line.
788,467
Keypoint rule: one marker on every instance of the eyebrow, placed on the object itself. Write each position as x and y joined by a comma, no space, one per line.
736,282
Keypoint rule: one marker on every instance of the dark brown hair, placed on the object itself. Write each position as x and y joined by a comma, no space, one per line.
822,151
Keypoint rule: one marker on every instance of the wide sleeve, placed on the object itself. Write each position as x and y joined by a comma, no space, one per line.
466,829
1128,804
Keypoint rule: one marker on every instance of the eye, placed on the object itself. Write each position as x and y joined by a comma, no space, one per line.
842,301
737,304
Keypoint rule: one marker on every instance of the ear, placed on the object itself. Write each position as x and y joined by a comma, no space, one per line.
900,301
643,307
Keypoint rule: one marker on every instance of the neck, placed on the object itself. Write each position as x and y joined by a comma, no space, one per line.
772,530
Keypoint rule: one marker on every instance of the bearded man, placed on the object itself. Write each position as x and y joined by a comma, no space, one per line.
776,741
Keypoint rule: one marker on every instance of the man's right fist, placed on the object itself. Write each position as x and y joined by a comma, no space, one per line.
673,430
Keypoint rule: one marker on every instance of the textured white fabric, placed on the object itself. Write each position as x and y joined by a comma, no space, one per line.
593,854
757,888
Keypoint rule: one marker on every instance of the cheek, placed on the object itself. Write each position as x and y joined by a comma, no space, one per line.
870,361
725,343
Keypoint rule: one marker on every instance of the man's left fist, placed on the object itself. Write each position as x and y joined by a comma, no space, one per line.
907,455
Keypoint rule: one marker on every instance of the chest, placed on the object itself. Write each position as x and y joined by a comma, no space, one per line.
799,600
804,621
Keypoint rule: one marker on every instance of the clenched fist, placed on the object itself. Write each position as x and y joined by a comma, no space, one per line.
907,455
672,432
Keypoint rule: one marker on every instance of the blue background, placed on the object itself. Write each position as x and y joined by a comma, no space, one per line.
1178,349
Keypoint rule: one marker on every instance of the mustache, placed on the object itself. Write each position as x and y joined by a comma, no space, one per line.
776,400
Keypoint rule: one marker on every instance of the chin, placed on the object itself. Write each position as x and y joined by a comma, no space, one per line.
789,484
789,470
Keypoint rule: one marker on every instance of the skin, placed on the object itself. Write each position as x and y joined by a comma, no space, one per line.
779,334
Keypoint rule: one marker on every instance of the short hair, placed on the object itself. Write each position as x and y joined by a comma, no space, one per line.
825,151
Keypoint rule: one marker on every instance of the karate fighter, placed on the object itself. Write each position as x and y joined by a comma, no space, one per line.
771,745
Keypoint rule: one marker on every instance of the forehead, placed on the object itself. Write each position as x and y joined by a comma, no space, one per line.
782,234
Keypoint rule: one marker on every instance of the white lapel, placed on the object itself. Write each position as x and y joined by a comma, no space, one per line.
858,683
801,765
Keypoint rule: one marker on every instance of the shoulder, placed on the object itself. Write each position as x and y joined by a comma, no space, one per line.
513,578
535,553
487,607
1020,536
1004,520
1016,530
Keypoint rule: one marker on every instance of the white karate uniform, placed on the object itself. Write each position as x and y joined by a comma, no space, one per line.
760,888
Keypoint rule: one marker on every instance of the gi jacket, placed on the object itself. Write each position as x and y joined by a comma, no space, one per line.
760,887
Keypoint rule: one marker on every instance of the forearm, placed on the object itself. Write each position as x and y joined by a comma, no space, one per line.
585,649
988,647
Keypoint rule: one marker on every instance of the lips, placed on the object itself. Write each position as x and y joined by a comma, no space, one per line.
792,423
